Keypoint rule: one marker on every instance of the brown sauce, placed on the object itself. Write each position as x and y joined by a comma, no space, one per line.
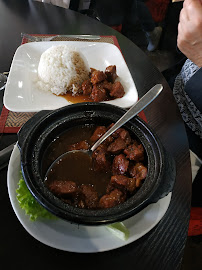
67,168
59,145
79,98
76,99
78,167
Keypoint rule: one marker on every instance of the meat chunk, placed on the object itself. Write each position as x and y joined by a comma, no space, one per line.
119,181
97,76
115,197
124,135
91,71
139,171
82,145
106,85
88,197
109,140
110,72
116,133
98,93
117,90
116,146
123,182
86,87
120,165
135,152
61,188
99,131
100,159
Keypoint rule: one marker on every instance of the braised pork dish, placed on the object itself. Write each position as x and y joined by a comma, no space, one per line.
116,170
100,86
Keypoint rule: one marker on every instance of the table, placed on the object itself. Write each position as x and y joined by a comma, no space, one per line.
162,247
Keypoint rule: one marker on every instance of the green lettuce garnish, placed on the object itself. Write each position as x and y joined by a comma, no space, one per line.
119,230
29,204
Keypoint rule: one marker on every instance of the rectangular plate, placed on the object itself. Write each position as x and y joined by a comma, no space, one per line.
22,94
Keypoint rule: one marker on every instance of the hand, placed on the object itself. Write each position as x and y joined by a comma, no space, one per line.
189,38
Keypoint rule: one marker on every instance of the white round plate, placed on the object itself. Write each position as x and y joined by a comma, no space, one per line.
76,238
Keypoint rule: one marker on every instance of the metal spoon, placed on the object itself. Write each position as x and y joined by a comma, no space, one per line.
133,111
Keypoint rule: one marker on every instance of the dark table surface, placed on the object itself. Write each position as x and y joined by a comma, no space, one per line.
163,246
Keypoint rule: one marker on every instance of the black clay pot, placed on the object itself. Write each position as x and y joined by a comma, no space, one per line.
39,132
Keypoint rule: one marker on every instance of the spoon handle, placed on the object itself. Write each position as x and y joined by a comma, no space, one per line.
133,111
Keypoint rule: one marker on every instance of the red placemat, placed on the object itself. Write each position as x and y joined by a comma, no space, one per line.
195,223
11,122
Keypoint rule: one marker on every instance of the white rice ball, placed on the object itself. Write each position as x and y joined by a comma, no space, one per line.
61,69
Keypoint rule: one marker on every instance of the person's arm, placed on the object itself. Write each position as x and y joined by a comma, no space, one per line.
189,38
